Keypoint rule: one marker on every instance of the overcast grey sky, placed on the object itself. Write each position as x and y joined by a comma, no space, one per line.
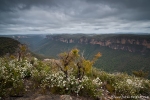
74,16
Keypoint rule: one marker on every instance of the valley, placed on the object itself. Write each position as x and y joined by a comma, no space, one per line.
120,53
87,70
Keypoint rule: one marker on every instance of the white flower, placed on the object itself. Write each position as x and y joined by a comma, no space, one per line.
129,81
71,83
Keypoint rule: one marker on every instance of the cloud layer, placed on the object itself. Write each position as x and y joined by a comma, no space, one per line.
74,16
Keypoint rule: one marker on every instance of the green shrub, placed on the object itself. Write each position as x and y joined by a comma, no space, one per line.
57,83
12,74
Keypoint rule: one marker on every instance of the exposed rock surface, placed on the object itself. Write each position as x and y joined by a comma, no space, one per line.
127,43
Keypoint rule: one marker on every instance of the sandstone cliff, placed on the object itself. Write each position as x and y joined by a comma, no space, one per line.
127,43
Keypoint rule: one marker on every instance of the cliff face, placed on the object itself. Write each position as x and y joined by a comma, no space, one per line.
131,44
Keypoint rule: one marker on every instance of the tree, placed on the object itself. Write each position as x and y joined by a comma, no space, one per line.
73,61
85,66
67,59
22,51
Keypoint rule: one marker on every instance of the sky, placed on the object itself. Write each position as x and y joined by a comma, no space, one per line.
74,16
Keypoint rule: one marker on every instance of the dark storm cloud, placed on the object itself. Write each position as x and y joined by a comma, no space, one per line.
11,5
128,9
74,15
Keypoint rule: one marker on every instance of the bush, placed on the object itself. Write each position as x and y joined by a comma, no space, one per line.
12,74
95,84
57,83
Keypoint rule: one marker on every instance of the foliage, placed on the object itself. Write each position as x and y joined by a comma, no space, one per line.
58,84
140,73
39,72
125,85
12,74
22,52
66,59
72,60
97,84
7,45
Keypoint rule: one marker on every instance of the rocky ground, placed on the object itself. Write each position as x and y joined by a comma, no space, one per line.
48,97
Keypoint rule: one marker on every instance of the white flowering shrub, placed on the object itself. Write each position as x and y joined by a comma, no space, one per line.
145,88
12,74
39,72
57,83
122,84
130,86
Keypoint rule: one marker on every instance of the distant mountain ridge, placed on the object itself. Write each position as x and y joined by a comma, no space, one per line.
131,43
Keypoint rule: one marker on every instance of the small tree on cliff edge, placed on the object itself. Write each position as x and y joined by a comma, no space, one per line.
72,61
22,51
67,60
